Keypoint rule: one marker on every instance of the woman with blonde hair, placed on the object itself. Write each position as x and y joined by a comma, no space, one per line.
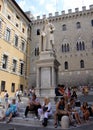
45,111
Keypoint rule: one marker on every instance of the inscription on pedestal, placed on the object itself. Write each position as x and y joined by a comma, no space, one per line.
46,77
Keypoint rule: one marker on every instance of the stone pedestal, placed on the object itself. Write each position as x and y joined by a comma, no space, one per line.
47,73
65,122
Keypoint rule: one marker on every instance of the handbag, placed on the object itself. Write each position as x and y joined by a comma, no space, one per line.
45,109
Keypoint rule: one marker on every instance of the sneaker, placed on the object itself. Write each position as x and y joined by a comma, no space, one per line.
24,116
35,117
42,117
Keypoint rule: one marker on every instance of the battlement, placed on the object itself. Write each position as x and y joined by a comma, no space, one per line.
64,13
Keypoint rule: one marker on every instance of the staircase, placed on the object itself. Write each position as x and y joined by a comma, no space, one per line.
30,120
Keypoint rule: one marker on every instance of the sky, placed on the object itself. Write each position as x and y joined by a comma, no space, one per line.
42,7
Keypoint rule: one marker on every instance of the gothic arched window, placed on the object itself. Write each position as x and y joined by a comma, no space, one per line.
68,48
77,46
80,46
65,47
62,48
83,45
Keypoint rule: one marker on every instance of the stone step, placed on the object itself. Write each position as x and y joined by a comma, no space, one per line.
31,114
38,123
22,109
31,121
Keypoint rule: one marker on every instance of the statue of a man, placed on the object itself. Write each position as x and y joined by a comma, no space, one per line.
47,36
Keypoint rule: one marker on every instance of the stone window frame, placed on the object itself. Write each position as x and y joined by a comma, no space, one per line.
23,30
78,25
65,47
5,61
92,22
82,65
12,87
80,46
8,34
14,65
36,51
9,16
38,31
21,70
66,65
16,40
23,41
3,83
21,87
64,27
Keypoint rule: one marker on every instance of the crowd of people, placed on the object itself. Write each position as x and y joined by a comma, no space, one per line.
70,105
67,104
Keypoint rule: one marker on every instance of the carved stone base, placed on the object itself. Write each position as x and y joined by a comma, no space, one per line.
47,55
47,73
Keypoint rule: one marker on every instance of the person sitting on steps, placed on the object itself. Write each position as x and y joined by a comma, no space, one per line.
45,111
85,111
60,111
33,105
11,111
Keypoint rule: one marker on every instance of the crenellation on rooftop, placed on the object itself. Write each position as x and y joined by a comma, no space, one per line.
50,14
76,10
91,7
56,13
62,12
44,16
83,8
69,11
69,14
38,17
